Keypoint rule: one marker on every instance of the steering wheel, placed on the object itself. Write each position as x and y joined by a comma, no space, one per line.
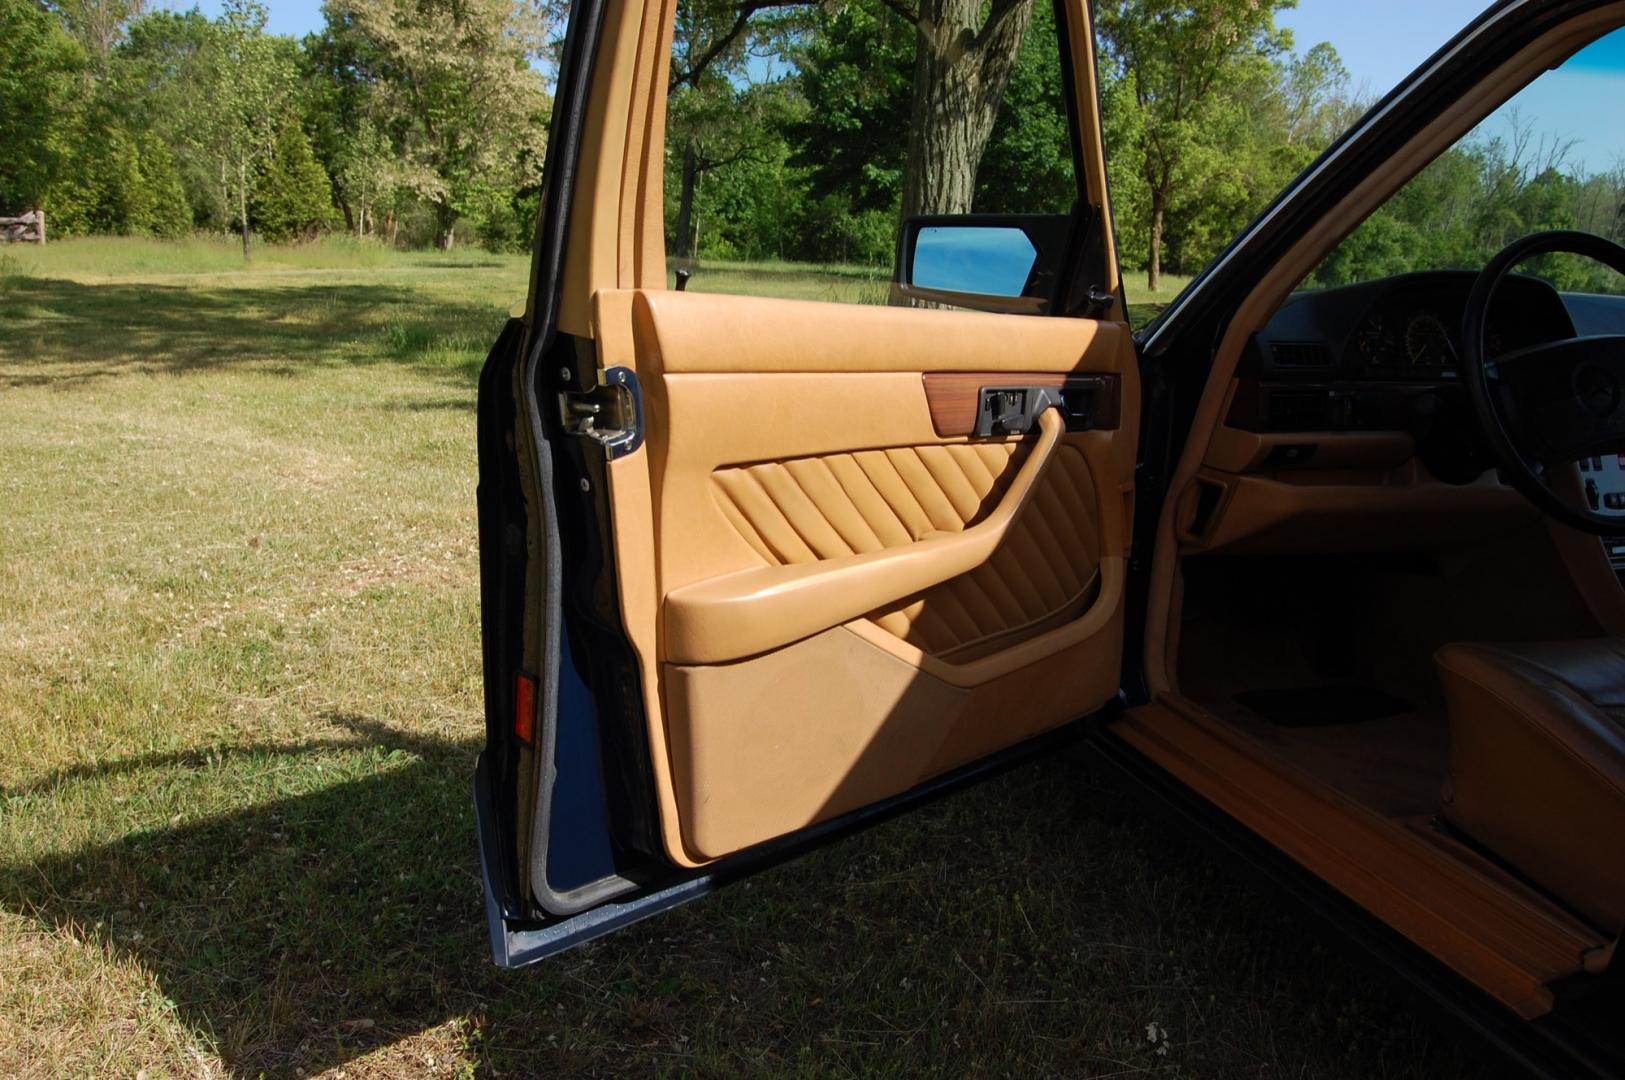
1552,403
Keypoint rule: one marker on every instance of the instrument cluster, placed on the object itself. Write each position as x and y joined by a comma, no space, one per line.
1417,335
1414,330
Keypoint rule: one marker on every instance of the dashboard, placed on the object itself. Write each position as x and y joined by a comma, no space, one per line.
1406,327
1602,479
1413,330
1385,356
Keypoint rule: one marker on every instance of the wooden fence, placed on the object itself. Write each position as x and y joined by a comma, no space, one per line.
27,229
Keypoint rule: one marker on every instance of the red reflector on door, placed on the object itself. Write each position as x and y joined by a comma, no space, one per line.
524,708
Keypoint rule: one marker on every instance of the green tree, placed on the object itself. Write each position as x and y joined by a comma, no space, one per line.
722,129
1601,206
171,212
99,25
1181,60
1028,166
367,174
960,55
118,183
856,71
347,118
715,116
1474,199
37,97
454,78
247,79
295,198
73,142
964,52
158,74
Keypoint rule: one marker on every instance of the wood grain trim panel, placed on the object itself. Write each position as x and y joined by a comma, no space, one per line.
952,396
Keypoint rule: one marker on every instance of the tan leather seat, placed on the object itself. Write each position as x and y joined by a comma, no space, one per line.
1537,763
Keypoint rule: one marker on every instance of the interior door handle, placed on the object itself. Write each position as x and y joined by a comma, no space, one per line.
751,611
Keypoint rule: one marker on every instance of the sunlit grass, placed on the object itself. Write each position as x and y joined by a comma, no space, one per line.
101,256
1144,304
833,283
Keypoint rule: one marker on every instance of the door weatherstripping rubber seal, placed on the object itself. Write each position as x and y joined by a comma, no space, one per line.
564,148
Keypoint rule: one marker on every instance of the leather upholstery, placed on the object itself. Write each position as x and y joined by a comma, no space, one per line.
732,379
1537,763
835,505
863,389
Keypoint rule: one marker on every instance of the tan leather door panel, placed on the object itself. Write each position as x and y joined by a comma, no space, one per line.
750,611
827,509
839,602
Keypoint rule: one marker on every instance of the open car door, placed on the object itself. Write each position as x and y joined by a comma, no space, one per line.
756,570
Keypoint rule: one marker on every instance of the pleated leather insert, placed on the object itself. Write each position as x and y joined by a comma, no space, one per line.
842,504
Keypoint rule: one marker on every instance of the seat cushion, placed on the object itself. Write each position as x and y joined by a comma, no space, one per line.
1537,763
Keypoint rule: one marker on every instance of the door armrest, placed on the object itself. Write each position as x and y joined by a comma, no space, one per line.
751,611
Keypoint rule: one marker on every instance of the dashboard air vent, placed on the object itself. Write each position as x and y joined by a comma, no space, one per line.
1300,354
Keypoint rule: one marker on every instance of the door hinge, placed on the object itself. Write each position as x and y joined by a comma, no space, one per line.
610,414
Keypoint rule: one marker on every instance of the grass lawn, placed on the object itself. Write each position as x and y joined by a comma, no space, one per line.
240,704
872,285
1143,304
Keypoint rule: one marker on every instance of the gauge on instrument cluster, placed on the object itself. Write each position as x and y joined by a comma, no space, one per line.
1375,342
1427,341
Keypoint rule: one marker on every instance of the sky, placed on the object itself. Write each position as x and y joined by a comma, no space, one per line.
1380,41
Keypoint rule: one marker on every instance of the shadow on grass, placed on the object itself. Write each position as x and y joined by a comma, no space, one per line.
57,332
184,759
298,933
1032,926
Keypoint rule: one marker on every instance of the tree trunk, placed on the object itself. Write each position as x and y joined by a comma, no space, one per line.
699,182
446,223
242,202
682,244
1153,264
961,66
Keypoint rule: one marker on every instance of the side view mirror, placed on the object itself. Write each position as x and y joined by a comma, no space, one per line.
990,262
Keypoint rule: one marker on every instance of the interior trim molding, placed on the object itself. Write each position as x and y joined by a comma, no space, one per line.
953,397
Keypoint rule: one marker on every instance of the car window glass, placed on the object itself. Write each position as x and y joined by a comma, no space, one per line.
1210,109
799,136
1553,157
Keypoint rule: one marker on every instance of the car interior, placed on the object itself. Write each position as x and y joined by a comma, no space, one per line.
1368,641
